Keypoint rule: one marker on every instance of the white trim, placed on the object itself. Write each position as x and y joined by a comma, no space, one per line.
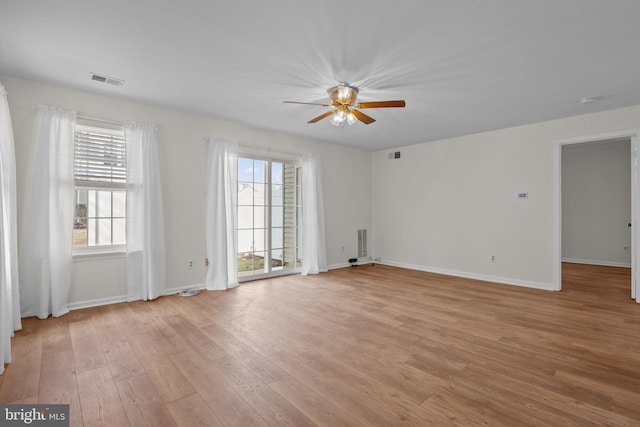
361,261
178,289
593,262
86,253
273,273
557,223
635,214
599,137
473,276
336,266
123,298
635,231
96,302
268,154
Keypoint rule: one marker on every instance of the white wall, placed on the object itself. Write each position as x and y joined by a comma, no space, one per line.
596,202
182,164
449,205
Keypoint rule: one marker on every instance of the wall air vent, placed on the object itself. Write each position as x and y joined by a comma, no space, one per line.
394,155
104,79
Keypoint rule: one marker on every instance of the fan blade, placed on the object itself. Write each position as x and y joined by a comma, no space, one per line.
306,103
382,104
322,116
363,117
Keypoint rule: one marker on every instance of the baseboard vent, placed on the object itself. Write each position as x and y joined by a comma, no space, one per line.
362,243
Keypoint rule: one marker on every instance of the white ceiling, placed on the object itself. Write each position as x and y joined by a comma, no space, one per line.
463,66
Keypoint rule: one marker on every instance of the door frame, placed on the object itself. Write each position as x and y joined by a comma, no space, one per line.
635,186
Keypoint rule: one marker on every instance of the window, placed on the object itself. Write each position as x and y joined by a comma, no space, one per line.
100,187
269,222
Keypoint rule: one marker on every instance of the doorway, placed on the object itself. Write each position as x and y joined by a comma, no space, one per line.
596,203
269,217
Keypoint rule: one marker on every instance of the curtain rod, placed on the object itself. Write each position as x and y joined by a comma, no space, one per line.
267,149
270,150
94,119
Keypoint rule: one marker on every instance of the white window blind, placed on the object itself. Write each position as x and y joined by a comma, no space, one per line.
100,157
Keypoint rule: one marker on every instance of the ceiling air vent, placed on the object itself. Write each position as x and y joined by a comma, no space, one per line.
109,80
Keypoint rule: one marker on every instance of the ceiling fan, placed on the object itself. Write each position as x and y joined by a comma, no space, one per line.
343,103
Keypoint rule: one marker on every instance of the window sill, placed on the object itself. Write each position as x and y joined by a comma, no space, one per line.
109,252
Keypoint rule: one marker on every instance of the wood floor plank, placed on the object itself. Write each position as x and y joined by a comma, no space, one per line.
195,338
99,399
131,319
195,309
372,345
167,379
610,397
415,384
314,406
158,342
58,337
58,383
119,354
87,351
192,411
142,403
223,400
269,404
573,402
22,377
254,361
365,400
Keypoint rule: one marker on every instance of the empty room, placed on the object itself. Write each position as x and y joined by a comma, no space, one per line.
336,214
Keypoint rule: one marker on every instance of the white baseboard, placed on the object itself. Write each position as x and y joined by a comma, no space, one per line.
96,302
172,291
334,266
592,262
474,276
123,298
361,261
467,275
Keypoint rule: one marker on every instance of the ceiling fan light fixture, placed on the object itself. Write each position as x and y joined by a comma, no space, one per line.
343,94
344,107
341,116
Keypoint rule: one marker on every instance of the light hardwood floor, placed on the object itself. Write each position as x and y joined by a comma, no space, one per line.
361,346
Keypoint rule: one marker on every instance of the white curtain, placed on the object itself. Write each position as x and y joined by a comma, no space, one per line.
314,253
9,293
47,220
146,277
222,188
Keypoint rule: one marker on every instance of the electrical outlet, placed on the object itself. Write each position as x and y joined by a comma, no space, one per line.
625,248
493,258
190,264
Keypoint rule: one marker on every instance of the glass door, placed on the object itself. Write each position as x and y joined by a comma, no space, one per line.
269,221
